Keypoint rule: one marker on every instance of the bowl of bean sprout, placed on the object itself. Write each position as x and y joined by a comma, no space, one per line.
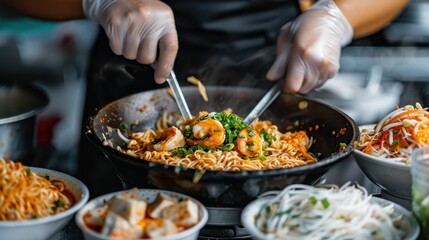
347,212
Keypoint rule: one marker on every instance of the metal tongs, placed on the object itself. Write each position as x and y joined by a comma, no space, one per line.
264,103
177,93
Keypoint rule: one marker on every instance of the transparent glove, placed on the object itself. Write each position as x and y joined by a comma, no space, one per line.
309,48
137,29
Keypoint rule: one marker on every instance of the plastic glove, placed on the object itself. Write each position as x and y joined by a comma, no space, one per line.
136,29
310,46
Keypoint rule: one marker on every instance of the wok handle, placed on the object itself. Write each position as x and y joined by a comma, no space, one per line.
264,103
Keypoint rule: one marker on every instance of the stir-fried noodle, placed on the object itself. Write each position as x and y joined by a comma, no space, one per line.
221,141
26,195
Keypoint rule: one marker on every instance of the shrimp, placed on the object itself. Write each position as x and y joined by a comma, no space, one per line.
249,143
171,138
208,133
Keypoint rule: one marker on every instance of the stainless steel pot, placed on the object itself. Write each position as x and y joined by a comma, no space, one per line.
20,105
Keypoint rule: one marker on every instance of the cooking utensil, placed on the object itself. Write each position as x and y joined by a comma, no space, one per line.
264,103
178,96
177,93
222,188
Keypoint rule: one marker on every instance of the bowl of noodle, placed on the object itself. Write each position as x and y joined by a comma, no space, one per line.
35,202
384,149
348,212
214,157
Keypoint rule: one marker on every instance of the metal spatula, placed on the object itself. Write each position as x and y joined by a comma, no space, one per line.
177,93
178,96
264,103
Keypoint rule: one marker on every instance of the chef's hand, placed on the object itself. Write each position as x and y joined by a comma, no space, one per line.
136,29
308,48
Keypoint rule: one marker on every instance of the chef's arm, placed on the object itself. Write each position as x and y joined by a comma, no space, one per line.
369,16
48,9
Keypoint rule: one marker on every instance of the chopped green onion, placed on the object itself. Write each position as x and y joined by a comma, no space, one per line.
296,123
343,145
325,203
313,200
28,171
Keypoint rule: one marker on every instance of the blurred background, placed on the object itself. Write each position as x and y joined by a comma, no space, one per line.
377,72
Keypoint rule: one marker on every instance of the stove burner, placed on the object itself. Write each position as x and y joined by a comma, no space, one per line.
210,232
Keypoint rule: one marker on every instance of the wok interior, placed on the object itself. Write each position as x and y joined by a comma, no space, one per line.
285,111
221,188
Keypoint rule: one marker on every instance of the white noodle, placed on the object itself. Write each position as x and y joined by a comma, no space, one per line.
306,212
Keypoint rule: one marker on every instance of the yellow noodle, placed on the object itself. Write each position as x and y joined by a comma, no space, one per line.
26,195
289,150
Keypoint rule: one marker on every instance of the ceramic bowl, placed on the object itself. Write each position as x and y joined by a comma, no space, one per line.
45,227
391,176
408,223
149,195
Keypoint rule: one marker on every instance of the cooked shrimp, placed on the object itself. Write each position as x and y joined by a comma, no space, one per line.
208,133
171,138
249,143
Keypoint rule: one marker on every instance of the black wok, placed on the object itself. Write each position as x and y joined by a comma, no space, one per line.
221,188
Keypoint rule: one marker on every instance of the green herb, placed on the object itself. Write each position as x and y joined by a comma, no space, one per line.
325,203
267,209
57,204
251,133
343,145
250,144
313,200
232,125
262,158
204,118
266,144
318,154
188,131
227,147
241,136
124,127
28,171
216,130
296,123
283,212
394,142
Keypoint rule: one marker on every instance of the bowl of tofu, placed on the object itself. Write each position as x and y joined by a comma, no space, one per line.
142,214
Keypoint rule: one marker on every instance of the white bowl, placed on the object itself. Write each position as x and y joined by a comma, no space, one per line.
149,195
391,176
46,227
252,209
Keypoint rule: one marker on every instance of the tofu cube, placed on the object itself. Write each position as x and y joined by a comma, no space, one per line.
156,228
184,213
131,209
95,217
162,201
116,226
